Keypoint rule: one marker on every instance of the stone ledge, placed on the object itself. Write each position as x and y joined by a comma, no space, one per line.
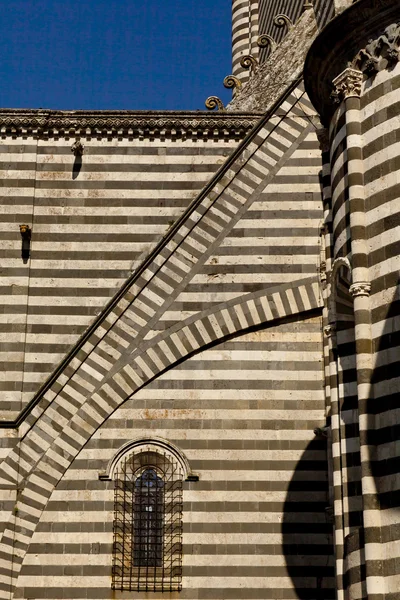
56,123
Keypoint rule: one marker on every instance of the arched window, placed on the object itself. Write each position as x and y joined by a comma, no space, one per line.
147,548
148,521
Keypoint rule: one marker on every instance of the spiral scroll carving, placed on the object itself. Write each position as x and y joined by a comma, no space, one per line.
283,21
214,102
232,82
266,41
249,62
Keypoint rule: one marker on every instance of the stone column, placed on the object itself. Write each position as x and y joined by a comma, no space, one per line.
254,32
348,90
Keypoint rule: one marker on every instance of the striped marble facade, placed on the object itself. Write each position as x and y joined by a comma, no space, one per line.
93,221
276,242
239,376
362,319
381,168
226,285
243,412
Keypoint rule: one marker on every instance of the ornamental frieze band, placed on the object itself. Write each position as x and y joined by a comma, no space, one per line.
70,123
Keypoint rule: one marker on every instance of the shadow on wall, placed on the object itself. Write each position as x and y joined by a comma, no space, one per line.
383,430
76,169
306,532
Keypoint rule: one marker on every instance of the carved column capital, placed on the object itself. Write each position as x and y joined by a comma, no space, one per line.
360,289
347,84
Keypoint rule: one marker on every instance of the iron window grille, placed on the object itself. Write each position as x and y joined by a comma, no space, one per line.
147,545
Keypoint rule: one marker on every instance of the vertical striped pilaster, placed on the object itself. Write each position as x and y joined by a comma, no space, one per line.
245,32
348,87
330,332
326,250
254,31
240,36
325,268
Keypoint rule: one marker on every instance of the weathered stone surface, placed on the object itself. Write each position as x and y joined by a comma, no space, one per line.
283,66
341,5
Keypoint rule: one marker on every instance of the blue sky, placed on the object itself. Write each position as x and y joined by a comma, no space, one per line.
114,54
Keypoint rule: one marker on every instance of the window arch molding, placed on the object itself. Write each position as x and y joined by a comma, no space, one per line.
150,444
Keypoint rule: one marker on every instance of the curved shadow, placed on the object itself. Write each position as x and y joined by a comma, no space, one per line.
306,530
384,401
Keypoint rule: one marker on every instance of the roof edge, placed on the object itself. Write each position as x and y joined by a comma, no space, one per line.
110,123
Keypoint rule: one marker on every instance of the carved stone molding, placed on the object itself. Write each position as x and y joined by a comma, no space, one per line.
342,261
330,330
380,53
360,289
322,271
346,85
85,124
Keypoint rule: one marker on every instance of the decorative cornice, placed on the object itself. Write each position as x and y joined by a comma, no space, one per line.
84,124
360,289
347,85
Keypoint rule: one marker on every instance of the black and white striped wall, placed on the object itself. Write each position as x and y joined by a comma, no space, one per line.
225,364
